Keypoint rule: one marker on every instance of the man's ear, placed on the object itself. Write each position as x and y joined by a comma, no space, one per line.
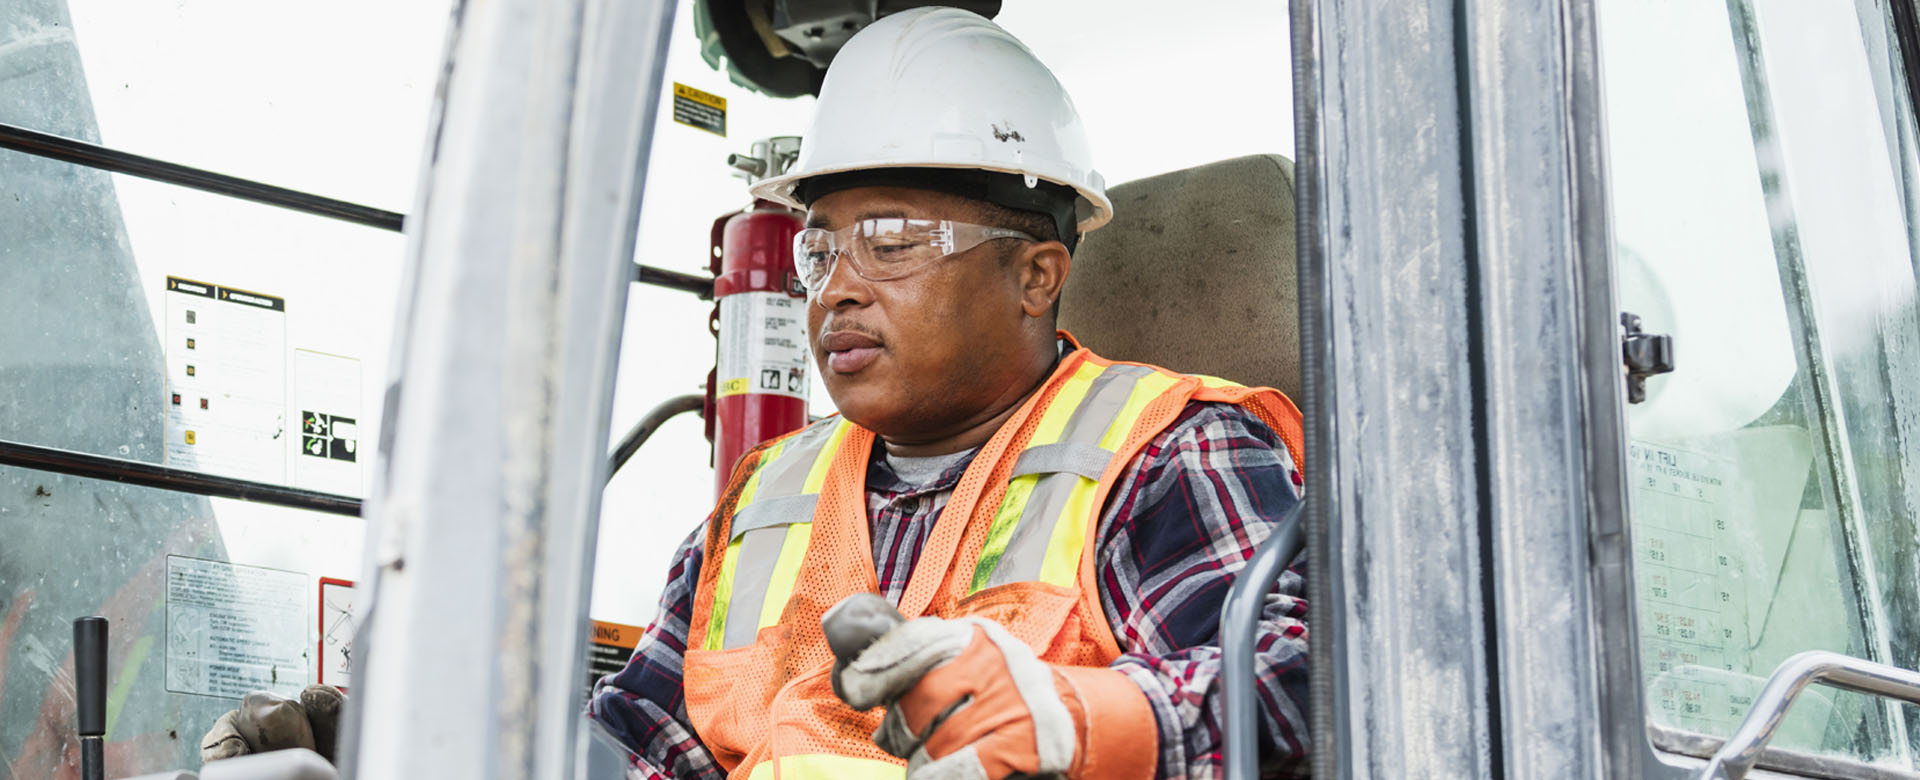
1043,274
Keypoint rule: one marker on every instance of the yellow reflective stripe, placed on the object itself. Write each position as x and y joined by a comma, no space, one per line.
1064,402
826,766
723,587
823,464
722,593
1001,532
793,549
761,771
1148,388
753,483
1069,536
1014,501
786,572
1214,381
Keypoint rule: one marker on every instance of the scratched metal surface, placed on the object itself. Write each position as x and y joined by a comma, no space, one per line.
1540,220
1394,400
484,510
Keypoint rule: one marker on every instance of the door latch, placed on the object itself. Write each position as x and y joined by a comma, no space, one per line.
1645,355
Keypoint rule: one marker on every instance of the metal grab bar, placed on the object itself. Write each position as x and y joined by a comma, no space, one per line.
1239,625
1742,750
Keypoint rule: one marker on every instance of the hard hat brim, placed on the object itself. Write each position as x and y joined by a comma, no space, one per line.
1092,208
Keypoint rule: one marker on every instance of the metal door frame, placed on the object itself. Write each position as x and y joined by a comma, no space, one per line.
484,510
1463,397
1465,409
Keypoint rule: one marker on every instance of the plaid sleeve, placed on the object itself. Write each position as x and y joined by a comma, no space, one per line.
1188,514
644,704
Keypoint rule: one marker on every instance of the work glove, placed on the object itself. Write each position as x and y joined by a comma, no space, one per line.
966,699
267,721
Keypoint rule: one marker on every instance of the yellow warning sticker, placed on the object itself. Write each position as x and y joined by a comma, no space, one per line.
703,110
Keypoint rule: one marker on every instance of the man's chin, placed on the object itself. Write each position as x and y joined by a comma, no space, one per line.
865,404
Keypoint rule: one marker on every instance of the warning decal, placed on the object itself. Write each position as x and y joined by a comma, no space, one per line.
232,629
338,622
703,110
763,345
608,649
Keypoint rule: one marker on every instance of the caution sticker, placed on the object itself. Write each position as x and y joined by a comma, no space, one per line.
703,110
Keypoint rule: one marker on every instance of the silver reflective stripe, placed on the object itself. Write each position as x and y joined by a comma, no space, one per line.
761,527
769,512
1104,400
751,575
1027,549
1087,460
1069,460
787,474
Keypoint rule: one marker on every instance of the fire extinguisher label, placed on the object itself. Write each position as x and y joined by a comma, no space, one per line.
763,345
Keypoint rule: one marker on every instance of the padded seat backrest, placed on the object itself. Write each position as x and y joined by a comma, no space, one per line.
1197,273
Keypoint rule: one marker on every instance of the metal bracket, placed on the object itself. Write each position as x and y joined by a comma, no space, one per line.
767,158
1645,355
1742,750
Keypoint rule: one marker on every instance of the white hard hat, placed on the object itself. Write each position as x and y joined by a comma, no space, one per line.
945,88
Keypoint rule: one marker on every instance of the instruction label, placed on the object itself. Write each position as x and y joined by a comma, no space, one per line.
327,396
338,621
1680,525
226,381
608,649
1712,524
232,629
703,110
763,345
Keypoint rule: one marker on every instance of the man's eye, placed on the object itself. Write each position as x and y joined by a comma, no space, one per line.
895,249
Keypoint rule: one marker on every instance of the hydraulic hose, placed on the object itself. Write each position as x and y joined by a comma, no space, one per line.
644,429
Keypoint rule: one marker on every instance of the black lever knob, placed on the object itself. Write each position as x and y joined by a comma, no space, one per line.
90,691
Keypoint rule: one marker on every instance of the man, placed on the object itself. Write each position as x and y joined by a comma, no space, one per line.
1063,528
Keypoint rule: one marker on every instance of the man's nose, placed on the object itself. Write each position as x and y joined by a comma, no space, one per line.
843,287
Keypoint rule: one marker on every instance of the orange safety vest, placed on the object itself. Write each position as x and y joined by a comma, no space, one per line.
789,540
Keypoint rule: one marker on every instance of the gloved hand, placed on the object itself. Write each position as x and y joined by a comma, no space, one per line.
966,699
268,721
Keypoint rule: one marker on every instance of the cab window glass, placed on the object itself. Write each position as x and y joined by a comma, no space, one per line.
1761,155
329,98
207,335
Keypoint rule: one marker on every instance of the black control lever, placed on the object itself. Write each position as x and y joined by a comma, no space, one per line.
90,689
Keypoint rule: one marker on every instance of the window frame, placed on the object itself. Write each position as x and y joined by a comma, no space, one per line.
1628,729
1486,236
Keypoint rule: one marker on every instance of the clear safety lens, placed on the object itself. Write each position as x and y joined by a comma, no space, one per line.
888,248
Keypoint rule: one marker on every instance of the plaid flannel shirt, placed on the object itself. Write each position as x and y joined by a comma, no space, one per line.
1188,513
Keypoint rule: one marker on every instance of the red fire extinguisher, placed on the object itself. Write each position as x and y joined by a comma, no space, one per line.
762,367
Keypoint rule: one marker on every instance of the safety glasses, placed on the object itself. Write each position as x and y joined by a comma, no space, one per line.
887,248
